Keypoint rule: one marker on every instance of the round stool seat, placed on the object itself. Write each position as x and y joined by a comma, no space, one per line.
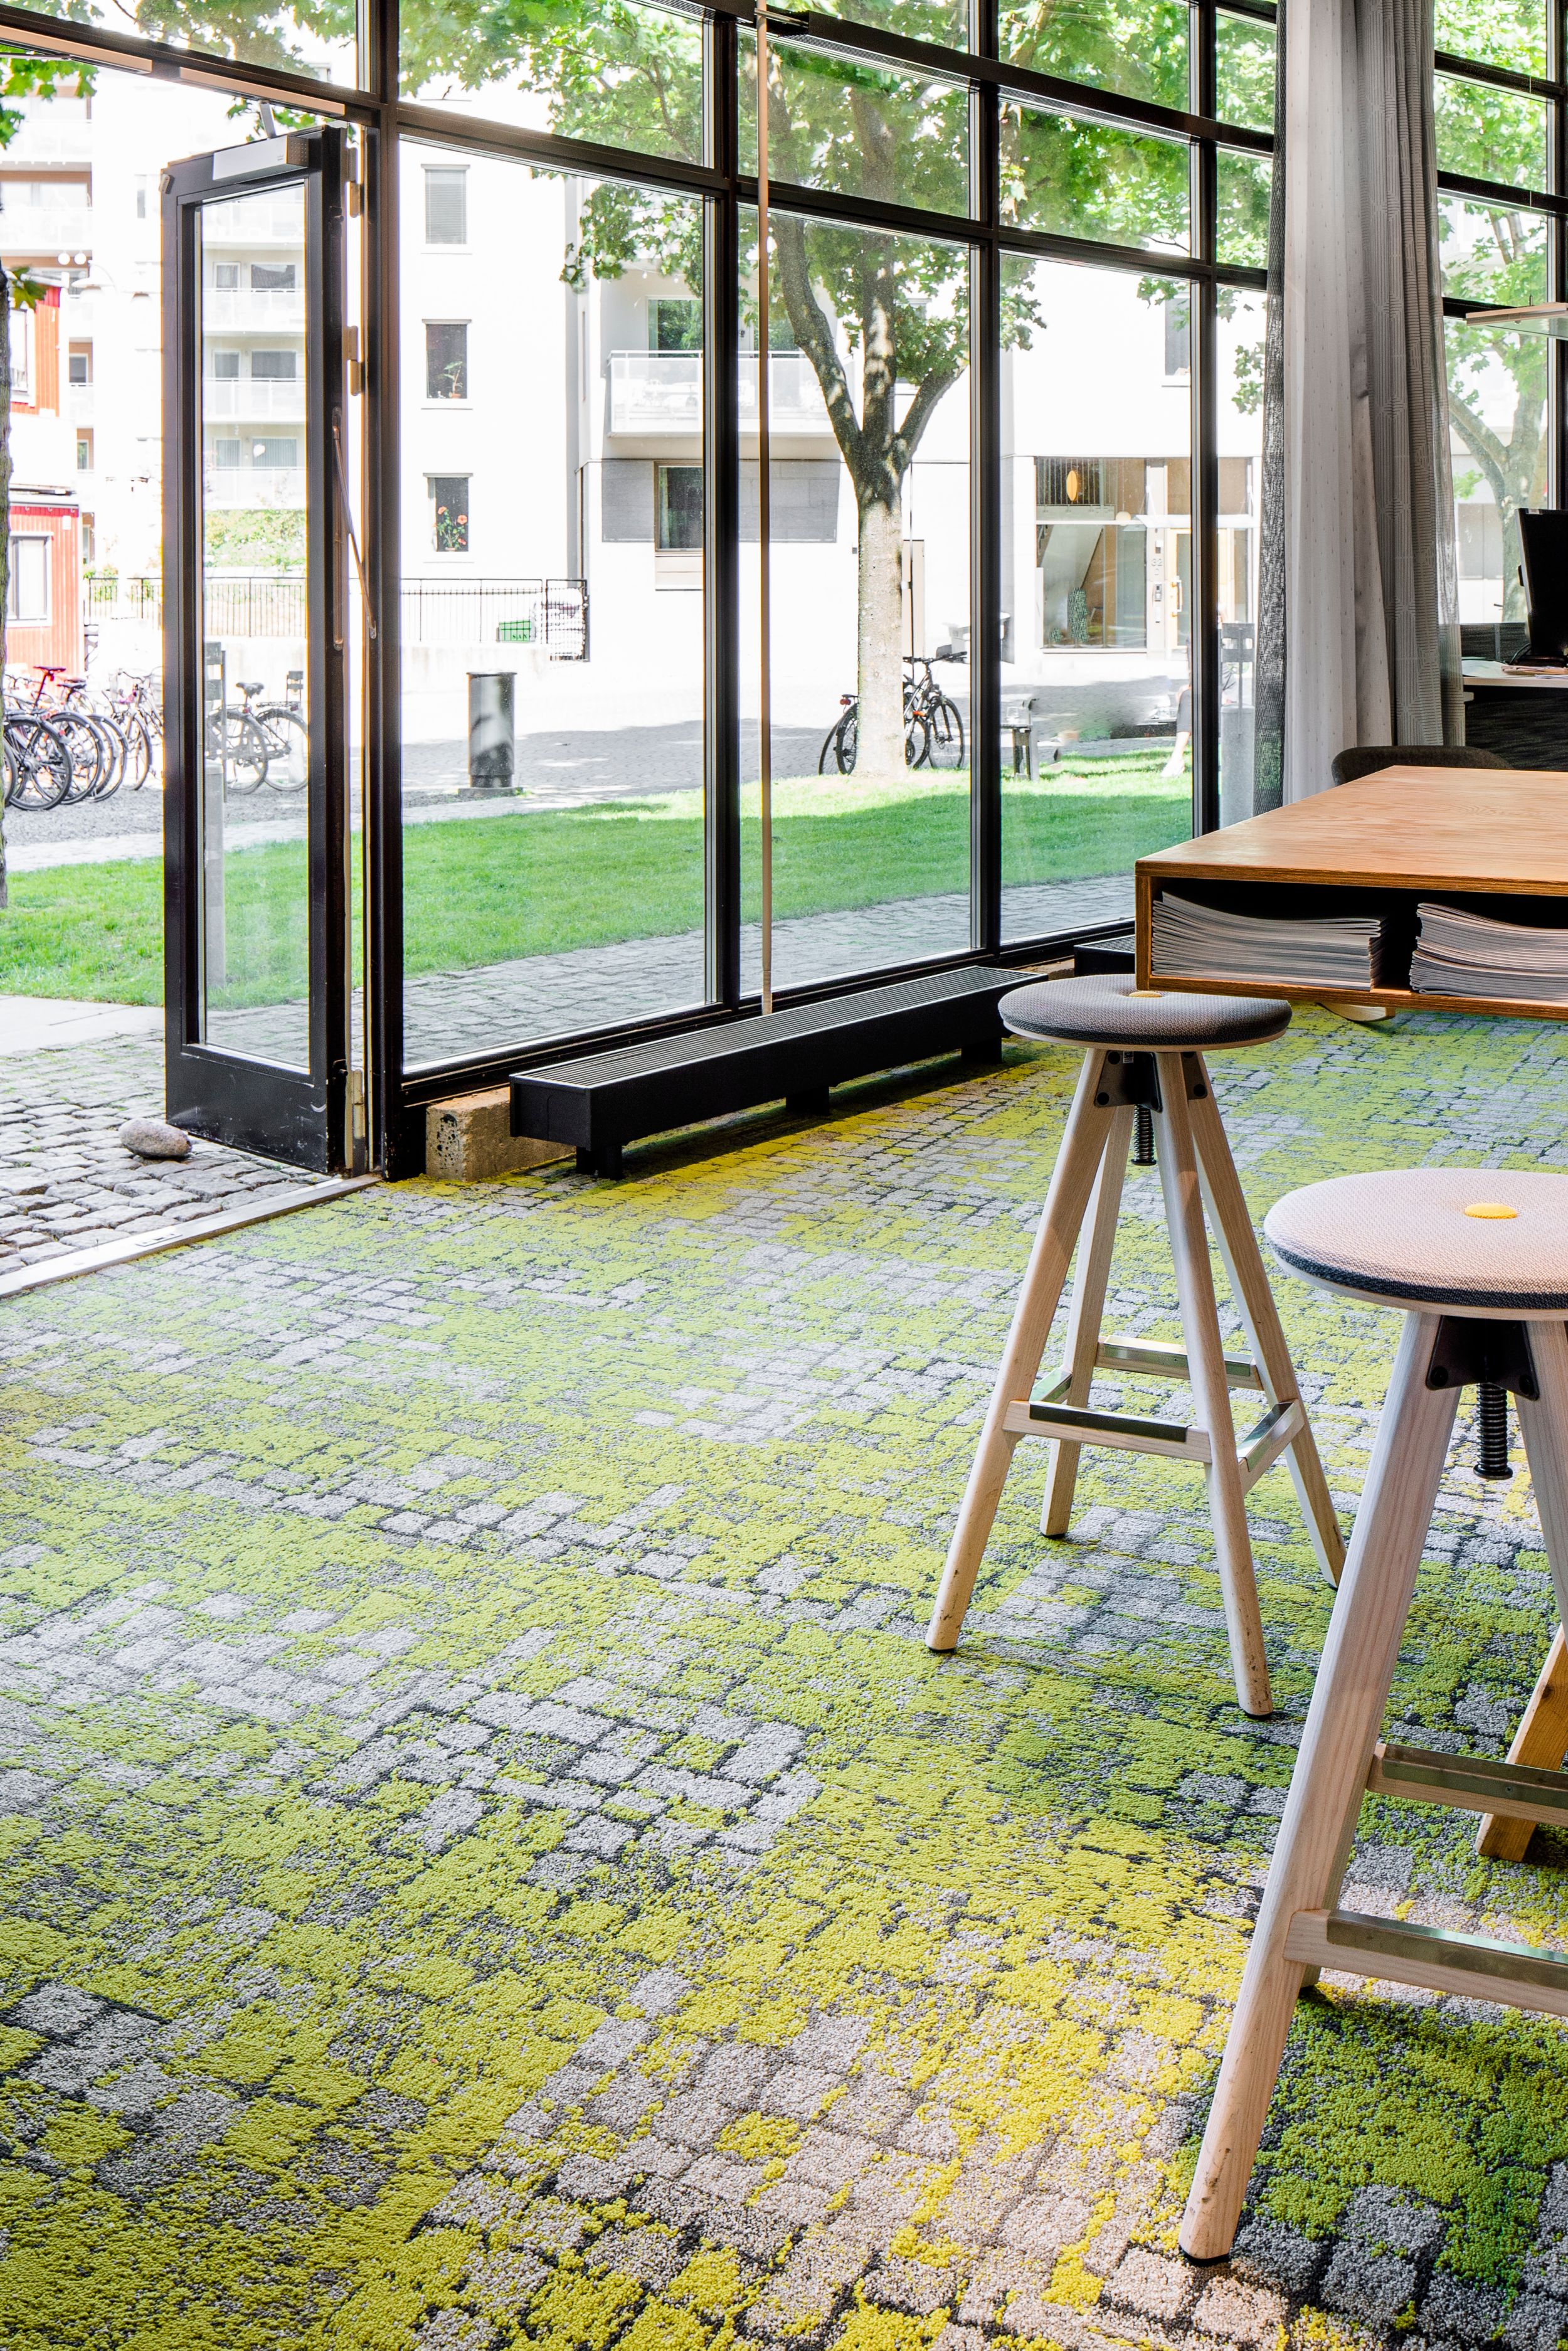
1433,1237
1104,1009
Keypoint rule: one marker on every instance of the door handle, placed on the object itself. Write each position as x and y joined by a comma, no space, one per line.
348,520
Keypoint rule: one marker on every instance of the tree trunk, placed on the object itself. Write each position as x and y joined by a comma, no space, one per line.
4,530
879,639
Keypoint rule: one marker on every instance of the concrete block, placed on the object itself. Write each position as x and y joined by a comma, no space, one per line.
469,1139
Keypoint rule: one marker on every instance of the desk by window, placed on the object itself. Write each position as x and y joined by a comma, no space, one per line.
1517,713
1493,838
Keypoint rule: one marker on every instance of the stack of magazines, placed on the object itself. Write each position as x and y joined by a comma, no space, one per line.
1207,943
1461,954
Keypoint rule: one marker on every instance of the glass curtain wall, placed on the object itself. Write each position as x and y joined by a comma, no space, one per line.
552,605
1503,170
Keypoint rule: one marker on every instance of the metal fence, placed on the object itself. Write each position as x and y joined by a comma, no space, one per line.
552,613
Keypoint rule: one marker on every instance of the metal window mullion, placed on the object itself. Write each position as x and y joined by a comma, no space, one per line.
986,538
1557,233
721,526
397,1139
1203,623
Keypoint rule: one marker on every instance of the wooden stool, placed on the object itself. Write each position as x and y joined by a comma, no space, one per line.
1144,1054
1478,1260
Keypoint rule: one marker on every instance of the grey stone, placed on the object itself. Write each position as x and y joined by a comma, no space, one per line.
1373,2287
152,1138
58,2010
1463,2314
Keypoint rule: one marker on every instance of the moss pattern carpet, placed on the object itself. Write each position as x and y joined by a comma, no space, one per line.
489,1860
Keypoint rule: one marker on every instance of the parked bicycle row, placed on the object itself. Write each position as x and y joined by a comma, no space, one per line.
66,742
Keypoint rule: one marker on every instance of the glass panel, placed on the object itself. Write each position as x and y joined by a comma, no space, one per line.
1244,71
1240,421
1493,254
1490,134
309,36
256,894
1097,577
871,603
1136,47
628,76
1242,184
1497,423
945,23
1499,31
1083,179
552,768
833,123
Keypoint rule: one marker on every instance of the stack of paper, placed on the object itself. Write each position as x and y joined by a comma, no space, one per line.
1461,954
1206,943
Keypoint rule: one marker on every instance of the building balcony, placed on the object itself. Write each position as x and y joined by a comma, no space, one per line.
661,392
46,230
254,486
244,397
272,310
253,220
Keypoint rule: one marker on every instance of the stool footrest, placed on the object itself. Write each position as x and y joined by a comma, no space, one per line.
1162,1358
1129,1431
1471,1783
1263,1444
1394,1950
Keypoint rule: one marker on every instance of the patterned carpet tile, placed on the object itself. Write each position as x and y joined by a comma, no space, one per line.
489,1860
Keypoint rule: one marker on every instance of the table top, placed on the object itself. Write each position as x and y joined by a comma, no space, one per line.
1491,672
1469,829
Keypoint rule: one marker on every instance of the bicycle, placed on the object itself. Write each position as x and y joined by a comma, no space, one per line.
933,724
236,745
36,764
285,734
97,755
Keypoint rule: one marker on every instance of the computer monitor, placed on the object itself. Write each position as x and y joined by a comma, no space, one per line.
1544,542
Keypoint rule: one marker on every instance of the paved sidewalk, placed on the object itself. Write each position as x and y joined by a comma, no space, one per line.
67,1184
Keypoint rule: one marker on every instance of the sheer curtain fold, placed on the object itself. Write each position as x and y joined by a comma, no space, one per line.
1358,639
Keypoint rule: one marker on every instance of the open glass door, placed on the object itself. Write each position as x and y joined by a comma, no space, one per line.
257,954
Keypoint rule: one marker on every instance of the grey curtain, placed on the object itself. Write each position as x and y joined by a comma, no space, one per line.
1357,629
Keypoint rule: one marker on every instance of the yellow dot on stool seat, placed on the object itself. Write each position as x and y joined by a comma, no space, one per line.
1491,1208
1145,991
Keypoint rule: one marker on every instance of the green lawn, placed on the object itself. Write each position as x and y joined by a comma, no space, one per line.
486,889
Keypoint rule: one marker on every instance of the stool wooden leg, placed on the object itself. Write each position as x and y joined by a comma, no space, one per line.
1078,1160
1206,1371
1089,1284
1541,1739
1542,1735
1249,1282
1326,1787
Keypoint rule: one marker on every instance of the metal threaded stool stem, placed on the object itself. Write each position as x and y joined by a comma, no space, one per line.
1492,1430
1143,1136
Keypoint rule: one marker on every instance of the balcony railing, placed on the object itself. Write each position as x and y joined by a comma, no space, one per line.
272,310
661,392
244,396
254,486
252,220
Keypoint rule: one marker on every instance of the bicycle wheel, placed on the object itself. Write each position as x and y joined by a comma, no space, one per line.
916,739
87,753
139,748
846,741
245,753
945,726
38,765
287,747
112,745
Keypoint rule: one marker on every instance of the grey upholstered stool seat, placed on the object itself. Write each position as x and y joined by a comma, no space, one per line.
1478,1259
1142,1073
1107,1009
1478,1240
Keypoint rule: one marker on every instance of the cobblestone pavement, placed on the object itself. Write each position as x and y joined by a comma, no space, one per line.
66,1183
489,1860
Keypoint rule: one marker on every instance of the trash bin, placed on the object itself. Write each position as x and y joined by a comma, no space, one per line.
492,736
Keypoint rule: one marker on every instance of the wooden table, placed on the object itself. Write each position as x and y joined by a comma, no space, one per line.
1496,839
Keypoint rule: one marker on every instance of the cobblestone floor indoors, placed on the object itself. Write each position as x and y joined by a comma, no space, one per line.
67,1182
488,1859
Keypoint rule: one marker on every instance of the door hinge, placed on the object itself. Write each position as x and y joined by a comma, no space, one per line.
352,363
357,1121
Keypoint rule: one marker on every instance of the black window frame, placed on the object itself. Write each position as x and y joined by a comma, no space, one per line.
386,122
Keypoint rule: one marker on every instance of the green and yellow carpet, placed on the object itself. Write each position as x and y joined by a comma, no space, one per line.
488,1859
